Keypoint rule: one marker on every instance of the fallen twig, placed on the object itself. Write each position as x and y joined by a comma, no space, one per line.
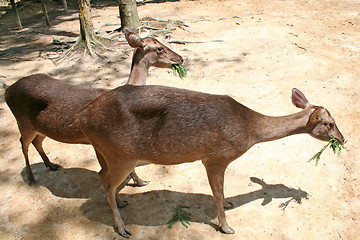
225,18
300,47
186,42
183,42
339,235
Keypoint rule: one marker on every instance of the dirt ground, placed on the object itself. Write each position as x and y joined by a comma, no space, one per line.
255,51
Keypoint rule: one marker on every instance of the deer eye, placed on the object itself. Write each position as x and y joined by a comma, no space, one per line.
160,49
331,125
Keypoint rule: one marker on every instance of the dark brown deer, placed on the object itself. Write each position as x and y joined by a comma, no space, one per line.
46,107
164,125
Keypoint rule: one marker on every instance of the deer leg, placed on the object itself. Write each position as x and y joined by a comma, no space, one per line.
103,164
25,142
137,180
103,172
37,142
114,176
120,203
216,179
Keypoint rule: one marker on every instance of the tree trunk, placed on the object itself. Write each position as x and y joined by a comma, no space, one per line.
86,25
45,11
87,39
128,14
16,13
65,6
87,33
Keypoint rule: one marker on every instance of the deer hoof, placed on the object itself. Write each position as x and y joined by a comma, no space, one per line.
31,180
228,230
124,232
141,183
54,167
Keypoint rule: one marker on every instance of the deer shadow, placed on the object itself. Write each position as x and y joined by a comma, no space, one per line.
149,208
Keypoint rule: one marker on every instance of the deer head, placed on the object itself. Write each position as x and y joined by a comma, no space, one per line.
157,54
321,125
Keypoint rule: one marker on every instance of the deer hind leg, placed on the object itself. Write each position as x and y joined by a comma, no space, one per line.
111,179
216,179
137,180
26,139
37,142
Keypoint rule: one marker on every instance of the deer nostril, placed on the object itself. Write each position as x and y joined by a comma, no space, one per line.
181,60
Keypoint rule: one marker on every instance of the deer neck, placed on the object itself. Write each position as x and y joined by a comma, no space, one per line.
267,128
139,69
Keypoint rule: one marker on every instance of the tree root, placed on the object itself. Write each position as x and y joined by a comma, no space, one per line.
156,26
93,45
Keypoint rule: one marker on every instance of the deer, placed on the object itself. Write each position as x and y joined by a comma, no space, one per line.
46,107
165,125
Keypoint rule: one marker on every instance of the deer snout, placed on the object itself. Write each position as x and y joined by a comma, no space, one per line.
340,139
179,60
338,135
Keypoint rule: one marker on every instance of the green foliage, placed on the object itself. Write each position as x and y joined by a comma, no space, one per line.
334,144
180,215
180,70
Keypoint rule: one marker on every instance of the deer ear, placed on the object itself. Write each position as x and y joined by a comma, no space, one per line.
299,99
316,116
132,38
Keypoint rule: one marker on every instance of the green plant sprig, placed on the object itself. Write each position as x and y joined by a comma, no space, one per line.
334,144
179,70
180,215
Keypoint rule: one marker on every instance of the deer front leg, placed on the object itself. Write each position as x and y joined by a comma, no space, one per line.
216,179
117,172
119,224
120,203
104,171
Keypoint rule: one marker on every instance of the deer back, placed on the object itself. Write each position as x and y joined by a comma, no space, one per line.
49,105
165,125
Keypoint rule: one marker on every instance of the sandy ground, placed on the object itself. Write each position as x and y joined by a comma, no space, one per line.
254,51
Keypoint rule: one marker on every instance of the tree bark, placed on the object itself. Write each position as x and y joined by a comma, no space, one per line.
66,9
16,13
45,11
86,25
128,14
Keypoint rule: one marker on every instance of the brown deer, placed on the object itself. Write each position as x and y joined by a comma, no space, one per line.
164,125
46,107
